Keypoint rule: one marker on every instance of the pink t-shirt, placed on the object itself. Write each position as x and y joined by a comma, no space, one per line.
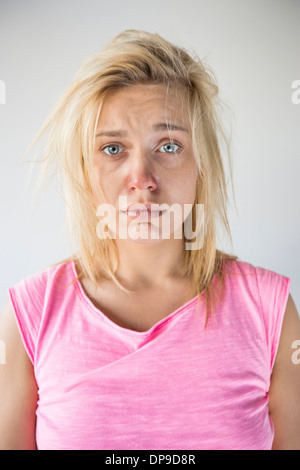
176,386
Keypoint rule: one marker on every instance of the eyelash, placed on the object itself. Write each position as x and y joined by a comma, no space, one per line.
166,143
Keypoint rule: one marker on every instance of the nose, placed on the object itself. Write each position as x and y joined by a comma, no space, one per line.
141,175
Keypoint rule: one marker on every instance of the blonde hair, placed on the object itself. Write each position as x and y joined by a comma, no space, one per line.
138,57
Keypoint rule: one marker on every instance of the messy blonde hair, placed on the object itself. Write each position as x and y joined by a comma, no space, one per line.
138,57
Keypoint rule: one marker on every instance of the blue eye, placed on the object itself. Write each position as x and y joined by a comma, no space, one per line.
169,147
112,149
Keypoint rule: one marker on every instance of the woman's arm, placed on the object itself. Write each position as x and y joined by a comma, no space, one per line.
284,392
18,389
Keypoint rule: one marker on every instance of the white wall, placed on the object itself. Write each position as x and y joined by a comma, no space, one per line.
253,47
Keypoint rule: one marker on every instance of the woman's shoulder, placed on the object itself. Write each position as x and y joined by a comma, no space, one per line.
28,299
263,285
247,268
31,292
47,274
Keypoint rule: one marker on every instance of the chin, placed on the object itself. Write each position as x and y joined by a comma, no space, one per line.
144,234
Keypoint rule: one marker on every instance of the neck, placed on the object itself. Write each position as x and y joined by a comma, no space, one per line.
142,265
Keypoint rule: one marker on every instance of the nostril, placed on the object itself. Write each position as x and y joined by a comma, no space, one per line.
142,182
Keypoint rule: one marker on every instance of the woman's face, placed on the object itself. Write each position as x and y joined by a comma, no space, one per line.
143,155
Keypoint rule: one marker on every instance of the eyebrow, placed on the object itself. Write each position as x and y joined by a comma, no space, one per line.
162,126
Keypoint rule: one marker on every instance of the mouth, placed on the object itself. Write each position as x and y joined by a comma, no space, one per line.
143,211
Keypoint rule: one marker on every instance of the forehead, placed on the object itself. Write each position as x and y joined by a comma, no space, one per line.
148,100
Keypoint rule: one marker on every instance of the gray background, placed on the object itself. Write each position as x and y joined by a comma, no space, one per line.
253,48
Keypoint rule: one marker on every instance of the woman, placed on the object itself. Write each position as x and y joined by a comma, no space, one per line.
149,337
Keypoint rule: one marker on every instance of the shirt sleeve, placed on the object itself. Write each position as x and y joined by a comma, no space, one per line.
27,299
274,291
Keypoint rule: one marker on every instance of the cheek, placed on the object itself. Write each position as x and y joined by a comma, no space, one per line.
193,180
187,185
102,186
107,181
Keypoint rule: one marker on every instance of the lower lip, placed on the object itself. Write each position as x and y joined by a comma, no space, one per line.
143,215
